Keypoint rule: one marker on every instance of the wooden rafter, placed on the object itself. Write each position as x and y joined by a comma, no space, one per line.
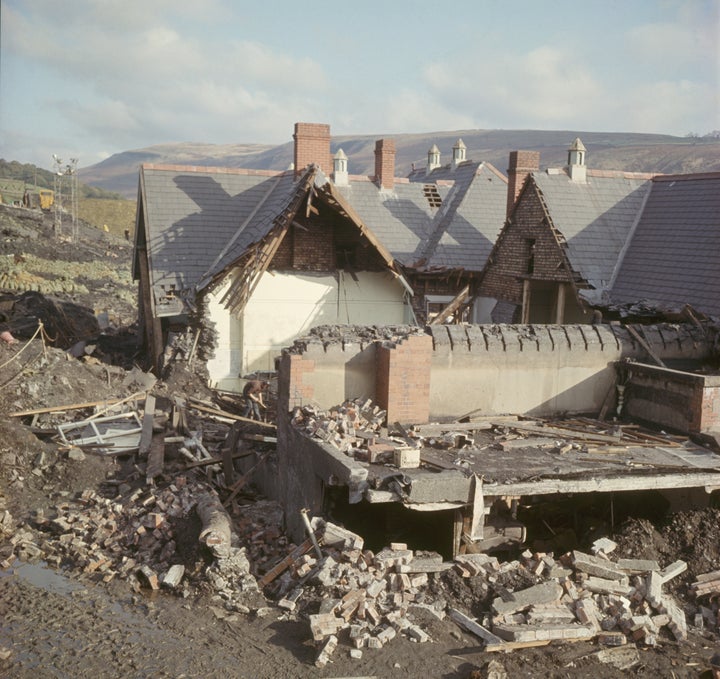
257,259
452,306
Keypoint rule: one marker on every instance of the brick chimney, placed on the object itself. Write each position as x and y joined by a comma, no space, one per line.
385,163
312,145
521,164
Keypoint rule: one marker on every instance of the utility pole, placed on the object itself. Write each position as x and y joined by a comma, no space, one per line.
57,203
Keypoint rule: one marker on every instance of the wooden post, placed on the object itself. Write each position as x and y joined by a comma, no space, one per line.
526,302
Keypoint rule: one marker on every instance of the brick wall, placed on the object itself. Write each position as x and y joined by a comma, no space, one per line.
323,243
681,401
292,388
510,261
385,163
312,145
403,379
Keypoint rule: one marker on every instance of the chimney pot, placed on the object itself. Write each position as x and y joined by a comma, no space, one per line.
433,159
340,171
576,161
459,153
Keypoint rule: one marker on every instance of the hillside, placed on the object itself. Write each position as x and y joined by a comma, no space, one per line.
606,150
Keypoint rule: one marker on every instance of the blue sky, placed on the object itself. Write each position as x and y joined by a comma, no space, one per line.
89,78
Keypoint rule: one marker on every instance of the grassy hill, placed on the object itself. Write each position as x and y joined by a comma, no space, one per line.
606,150
117,215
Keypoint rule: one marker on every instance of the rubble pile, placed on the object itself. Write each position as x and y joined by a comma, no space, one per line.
353,427
133,536
371,598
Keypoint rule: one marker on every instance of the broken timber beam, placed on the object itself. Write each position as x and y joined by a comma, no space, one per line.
232,416
452,307
147,426
645,345
77,406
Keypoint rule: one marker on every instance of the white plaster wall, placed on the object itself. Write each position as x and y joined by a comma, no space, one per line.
286,305
534,383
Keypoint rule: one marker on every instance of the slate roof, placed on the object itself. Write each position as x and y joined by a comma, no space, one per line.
199,220
595,218
471,219
192,214
402,218
672,259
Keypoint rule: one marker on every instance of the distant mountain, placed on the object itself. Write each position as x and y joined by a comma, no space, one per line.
605,150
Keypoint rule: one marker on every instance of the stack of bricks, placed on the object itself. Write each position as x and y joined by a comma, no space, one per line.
353,427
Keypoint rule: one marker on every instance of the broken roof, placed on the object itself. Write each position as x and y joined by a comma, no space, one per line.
672,257
595,218
473,214
191,214
200,220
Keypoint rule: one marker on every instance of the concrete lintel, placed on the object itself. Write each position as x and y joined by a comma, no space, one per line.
446,486
336,468
603,484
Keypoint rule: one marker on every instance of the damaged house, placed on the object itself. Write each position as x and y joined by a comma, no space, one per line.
578,240
255,258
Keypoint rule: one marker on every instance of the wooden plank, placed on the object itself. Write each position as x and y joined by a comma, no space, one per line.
645,345
147,426
77,406
564,433
242,481
514,645
285,563
228,451
452,306
603,483
231,416
217,460
156,459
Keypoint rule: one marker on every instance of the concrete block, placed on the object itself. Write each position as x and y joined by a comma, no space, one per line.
603,586
653,588
673,570
638,566
407,458
593,565
543,593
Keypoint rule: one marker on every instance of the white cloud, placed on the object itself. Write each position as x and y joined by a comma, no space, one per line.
545,86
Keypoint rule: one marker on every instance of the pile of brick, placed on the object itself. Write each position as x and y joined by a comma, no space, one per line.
367,594
579,596
582,596
131,536
352,427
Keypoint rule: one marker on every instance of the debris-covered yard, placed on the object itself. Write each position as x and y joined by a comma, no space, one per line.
133,541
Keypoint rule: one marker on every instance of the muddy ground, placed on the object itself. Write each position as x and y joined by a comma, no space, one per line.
60,619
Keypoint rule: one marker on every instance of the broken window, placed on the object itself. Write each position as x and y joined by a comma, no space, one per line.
531,255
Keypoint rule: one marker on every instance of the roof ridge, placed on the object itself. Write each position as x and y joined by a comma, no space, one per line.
686,176
212,169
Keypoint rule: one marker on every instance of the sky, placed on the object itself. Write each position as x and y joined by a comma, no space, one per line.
86,79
